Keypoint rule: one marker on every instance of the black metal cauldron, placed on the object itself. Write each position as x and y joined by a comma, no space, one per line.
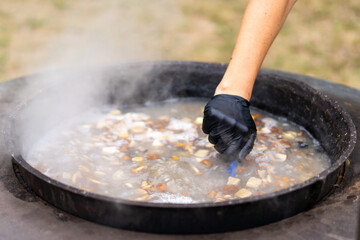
121,84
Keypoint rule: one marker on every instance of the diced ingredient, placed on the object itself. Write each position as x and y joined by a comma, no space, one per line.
196,170
129,185
265,130
115,112
262,137
202,153
212,194
198,120
75,177
220,199
140,192
99,173
280,157
84,169
123,134
233,181
153,156
209,145
243,193
227,196
137,129
161,187
137,159
145,185
239,169
285,143
275,129
206,162
186,120
96,181
286,179
253,182
110,150
137,169
260,148
289,135
157,143
229,189
142,198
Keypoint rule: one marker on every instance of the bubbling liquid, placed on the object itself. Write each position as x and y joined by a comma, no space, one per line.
158,153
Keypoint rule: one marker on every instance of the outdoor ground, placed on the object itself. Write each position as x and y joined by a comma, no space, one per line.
320,38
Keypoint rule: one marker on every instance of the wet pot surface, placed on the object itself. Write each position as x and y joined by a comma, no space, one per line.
320,115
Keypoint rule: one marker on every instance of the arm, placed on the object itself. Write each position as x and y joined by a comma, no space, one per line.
227,117
261,23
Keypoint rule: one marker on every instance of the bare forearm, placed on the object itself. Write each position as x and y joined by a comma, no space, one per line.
261,23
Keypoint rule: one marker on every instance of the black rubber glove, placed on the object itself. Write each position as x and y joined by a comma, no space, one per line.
231,129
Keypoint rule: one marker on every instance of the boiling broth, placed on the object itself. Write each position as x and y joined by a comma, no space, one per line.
158,153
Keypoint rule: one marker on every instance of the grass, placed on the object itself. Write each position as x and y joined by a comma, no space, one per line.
60,4
34,23
319,38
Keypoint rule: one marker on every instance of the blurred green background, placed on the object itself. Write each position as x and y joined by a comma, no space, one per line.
319,38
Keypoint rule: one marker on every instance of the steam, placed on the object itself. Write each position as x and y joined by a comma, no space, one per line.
118,31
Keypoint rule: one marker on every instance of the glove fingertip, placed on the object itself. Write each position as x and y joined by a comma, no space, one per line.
211,139
220,146
247,147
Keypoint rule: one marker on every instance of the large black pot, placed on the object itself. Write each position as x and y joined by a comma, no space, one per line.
122,84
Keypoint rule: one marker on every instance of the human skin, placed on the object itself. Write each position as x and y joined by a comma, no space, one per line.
260,25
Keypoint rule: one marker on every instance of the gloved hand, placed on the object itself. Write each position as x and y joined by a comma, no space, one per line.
230,126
